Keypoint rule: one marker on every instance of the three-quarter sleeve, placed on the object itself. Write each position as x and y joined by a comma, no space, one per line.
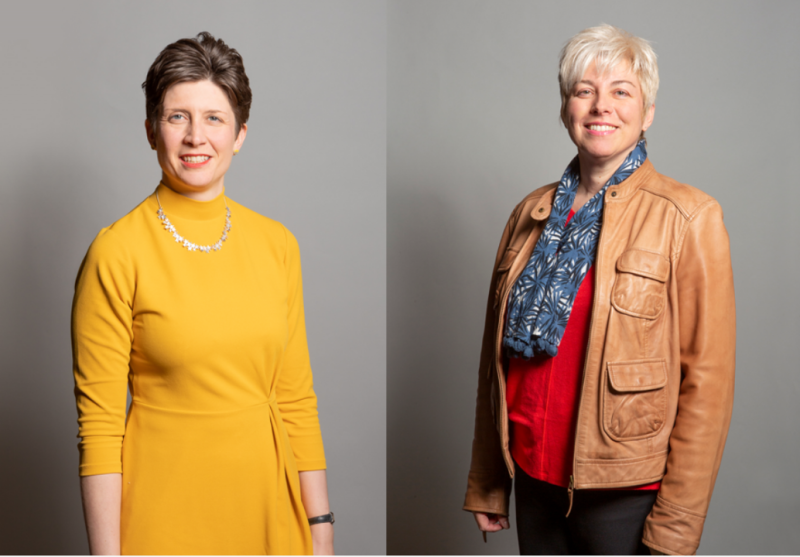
101,345
295,389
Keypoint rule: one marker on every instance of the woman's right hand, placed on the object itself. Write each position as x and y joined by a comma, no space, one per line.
491,522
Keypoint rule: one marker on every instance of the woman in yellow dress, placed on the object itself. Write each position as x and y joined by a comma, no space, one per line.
195,304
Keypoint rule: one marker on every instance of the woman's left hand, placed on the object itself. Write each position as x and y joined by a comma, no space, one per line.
322,538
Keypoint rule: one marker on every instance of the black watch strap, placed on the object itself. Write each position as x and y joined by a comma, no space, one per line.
321,519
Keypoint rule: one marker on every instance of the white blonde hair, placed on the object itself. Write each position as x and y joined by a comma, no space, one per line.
607,46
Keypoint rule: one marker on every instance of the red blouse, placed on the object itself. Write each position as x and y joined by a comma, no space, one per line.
543,396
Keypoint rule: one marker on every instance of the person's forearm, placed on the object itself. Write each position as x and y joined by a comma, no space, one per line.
102,500
314,492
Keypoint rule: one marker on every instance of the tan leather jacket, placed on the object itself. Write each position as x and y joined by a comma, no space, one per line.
657,388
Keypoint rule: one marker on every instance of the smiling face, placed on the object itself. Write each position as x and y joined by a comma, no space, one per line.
605,115
195,138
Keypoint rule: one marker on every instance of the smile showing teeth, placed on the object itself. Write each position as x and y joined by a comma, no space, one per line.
195,159
595,127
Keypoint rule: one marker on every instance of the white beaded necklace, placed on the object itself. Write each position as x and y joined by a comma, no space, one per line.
191,246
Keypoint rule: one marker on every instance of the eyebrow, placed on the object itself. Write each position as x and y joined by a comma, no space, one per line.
209,111
590,82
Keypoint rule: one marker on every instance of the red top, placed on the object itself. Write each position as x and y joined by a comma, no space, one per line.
543,395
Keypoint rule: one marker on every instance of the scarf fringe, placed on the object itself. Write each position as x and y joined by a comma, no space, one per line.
520,349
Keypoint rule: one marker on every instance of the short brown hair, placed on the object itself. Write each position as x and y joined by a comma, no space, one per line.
196,60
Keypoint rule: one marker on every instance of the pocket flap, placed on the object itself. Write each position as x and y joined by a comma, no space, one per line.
648,264
640,375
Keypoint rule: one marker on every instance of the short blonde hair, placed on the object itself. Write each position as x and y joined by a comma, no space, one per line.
607,46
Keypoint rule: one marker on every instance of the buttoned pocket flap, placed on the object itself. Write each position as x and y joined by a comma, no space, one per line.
634,399
645,264
639,290
632,377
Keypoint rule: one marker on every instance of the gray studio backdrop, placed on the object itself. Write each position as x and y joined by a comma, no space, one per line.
474,127
74,158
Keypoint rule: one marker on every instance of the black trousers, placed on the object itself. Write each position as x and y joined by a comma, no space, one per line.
602,522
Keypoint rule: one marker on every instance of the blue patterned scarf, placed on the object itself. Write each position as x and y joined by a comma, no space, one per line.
541,300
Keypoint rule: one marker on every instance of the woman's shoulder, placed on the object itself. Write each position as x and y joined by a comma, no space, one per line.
114,240
537,194
531,200
273,231
130,224
688,200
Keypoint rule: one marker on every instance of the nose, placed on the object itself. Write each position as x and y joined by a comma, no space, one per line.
194,135
601,105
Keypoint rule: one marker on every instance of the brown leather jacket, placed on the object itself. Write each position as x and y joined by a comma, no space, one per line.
657,388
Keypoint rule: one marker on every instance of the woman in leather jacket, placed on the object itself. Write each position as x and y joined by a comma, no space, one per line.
607,368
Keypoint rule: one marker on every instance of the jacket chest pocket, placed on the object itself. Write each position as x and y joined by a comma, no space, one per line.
640,289
634,399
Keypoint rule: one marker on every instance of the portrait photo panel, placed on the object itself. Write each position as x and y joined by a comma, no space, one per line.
76,159
475,126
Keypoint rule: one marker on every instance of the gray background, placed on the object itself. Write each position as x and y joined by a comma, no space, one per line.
473,127
75,158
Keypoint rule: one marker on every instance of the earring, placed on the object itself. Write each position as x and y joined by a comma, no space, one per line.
236,151
153,147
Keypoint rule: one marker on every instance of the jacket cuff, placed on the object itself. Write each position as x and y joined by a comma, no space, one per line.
487,493
673,529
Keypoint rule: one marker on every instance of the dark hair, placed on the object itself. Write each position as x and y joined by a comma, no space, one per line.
196,60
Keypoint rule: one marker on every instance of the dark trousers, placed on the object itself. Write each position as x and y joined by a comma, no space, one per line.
602,522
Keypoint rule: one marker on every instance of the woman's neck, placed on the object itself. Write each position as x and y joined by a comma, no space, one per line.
595,173
198,193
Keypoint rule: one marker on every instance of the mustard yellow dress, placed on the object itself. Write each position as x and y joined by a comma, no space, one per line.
213,349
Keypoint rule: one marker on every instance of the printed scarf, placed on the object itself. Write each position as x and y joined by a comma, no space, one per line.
541,300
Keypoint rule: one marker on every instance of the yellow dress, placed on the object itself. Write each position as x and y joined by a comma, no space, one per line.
213,349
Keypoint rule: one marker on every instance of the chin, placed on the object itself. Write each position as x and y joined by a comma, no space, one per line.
196,182
600,153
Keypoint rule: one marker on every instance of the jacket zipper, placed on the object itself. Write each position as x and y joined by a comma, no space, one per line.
572,488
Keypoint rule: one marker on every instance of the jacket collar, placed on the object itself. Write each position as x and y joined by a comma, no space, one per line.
632,183
623,190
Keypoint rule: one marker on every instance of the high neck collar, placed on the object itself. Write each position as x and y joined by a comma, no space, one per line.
178,205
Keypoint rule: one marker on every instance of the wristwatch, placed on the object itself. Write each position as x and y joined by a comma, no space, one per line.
321,519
